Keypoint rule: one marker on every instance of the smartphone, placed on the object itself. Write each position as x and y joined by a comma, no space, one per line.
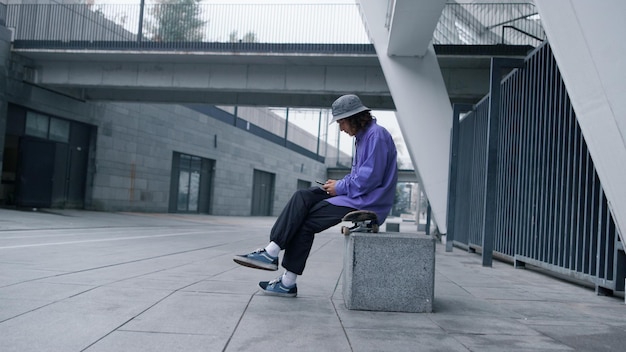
319,182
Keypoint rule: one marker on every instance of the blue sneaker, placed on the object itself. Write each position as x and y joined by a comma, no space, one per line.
276,288
258,259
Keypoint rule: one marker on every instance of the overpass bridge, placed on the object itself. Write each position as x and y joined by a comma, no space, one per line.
88,54
253,74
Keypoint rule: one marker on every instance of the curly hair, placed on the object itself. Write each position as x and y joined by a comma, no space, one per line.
359,122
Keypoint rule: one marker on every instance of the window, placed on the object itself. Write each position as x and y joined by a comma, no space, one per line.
59,130
189,183
43,126
37,124
190,187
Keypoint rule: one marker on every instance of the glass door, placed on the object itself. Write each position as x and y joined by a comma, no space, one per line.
190,168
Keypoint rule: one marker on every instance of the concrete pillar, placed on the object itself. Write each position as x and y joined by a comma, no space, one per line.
5,53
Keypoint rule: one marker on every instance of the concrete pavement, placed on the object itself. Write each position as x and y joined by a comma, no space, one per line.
92,281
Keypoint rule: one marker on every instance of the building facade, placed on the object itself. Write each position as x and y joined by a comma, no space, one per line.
62,152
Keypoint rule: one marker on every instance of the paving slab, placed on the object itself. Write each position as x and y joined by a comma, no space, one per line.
302,324
121,340
194,313
387,321
586,337
499,343
402,341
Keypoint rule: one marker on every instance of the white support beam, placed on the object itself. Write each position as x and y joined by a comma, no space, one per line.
410,24
422,105
587,40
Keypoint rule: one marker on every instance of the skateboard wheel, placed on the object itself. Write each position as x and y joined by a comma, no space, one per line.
345,230
375,228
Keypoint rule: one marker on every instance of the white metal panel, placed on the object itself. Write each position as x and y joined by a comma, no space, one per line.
588,44
422,104
411,26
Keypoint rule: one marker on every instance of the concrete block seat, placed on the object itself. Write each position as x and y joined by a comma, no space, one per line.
388,271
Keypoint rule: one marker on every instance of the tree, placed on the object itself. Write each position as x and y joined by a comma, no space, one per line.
176,21
249,37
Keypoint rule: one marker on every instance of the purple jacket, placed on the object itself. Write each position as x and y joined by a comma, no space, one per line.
371,184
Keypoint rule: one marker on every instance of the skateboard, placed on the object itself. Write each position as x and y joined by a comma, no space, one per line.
362,221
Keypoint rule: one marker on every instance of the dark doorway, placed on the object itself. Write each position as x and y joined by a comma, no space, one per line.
36,160
78,159
262,193
190,190
46,160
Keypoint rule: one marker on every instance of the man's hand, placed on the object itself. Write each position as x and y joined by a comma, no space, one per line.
329,187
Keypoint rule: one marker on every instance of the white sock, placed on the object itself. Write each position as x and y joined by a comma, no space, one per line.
289,278
272,249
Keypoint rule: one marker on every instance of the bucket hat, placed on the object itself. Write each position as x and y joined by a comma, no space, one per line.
346,106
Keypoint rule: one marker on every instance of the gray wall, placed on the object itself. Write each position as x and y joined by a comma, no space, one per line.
132,154
146,136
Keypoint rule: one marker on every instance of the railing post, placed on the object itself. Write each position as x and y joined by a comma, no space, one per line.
458,109
319,134
140,29
619,264
428,210
3,13
286,125
5,55
493,136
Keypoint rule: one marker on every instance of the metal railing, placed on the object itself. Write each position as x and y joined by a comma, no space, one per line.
323,28
318,27
3,14
484,23
548,207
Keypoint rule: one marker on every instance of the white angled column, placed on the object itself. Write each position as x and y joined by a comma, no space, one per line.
587,39
402,37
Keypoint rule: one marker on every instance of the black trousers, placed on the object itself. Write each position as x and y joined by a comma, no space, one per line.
306,214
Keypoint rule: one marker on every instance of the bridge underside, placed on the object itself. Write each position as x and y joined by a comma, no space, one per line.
245,79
